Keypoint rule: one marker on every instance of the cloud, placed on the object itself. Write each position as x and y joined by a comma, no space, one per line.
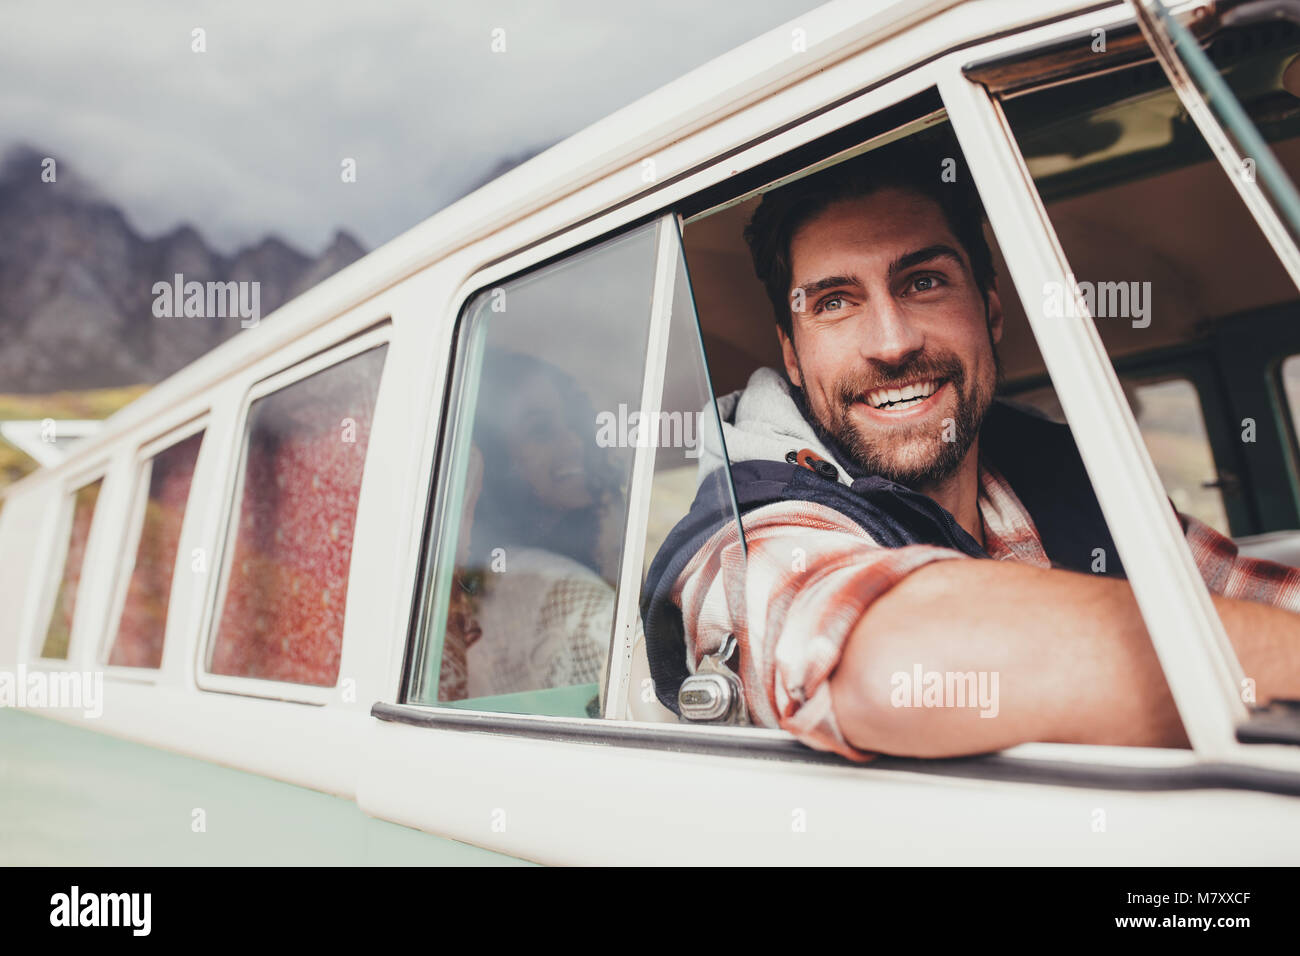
247,138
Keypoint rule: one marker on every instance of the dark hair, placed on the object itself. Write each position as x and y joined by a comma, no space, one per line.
918,163
508,511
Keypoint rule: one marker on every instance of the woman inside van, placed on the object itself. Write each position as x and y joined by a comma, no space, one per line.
532,598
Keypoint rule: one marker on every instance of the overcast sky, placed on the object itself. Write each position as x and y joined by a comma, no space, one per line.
247,138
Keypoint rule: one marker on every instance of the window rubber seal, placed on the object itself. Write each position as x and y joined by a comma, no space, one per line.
1000,767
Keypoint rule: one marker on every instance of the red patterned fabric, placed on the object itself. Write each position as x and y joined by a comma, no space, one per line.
811,573
139,640
287,578
59,632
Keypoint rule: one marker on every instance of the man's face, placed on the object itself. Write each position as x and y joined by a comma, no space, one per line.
892,345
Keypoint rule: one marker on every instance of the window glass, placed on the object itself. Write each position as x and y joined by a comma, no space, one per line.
537,461
1168,261
691,474
286,576
59,630
1291,387
1172,423
139,639
1173,426
1246,86
686,438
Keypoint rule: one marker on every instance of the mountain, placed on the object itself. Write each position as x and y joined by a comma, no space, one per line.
76,284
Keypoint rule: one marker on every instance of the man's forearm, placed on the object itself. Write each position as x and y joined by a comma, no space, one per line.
1267,642
1071,655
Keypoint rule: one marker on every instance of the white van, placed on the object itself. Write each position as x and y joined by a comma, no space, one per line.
227,614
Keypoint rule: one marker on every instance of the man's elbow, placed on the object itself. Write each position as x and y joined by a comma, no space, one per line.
874,700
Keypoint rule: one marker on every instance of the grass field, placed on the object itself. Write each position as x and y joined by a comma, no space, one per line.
96,403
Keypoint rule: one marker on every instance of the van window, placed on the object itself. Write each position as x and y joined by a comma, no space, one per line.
1172,422
518,610
140,630
59,630
949,294
1291,387
1172,266
285,578
1170,416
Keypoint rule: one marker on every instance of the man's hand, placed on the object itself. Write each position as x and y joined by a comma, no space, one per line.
1072,655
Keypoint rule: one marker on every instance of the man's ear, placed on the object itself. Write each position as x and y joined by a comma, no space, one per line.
995,315
787,353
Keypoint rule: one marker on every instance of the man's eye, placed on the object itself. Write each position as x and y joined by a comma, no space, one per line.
924,283
830,304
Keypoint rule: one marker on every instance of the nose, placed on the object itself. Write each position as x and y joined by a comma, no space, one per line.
891,336
568,443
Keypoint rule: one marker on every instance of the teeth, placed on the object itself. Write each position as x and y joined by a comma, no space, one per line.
903,397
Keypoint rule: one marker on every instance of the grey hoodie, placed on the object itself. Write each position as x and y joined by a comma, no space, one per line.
760,421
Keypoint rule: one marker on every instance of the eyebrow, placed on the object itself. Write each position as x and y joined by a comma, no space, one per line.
829,282
906,261
928,254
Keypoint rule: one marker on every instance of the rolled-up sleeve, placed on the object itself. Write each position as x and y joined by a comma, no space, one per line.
792,602
1228,573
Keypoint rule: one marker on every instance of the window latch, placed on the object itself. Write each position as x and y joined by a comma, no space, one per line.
714,693
1278,723
1224,481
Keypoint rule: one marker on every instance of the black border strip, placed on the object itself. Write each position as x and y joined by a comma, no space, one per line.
996,767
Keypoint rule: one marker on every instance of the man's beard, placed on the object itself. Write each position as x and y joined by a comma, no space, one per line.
917,457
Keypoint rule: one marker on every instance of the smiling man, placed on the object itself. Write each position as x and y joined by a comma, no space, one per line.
905,397
875,471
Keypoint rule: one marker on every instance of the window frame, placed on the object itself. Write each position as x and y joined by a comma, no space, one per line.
1197,369
1196,365
1287,420
664,201
670,258
58,536
1196,666
1164,32
1252,387
141,459
445,426
1196,657
230,492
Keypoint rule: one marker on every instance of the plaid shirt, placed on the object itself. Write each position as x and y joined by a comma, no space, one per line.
811,573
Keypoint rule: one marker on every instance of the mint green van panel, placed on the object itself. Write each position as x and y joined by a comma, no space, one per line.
74,797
